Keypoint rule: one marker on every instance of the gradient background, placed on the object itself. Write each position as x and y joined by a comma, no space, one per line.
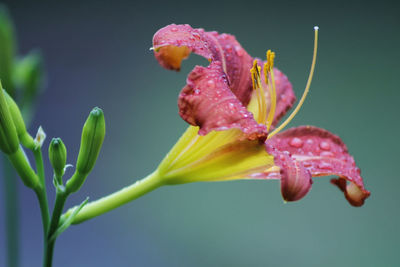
97,54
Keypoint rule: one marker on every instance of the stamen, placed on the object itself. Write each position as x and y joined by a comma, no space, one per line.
253,72
268,69
291,116
262,105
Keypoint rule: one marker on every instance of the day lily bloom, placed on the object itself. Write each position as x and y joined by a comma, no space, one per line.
234,106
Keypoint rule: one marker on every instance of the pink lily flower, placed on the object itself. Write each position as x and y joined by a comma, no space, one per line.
234,107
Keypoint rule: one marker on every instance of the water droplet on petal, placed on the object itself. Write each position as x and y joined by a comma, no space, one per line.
196,35
174,29
307,164
228,48
327,154
310,141
211,84
296,142
325,145
325,166
239,50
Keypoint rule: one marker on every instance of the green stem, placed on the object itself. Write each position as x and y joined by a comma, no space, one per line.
42,197
61,197
41,191
12,213
121,197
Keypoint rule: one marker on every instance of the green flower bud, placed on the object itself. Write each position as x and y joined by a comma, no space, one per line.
7,49
9,142
24,170
93,134
58,156
19,123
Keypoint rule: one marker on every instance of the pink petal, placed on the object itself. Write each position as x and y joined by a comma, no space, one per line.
323,153
175,42
295,178
206,101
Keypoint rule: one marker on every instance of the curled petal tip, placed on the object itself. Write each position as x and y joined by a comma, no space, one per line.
295,178
354,194
296,182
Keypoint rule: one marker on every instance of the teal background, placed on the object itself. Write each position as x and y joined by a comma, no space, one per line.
97,54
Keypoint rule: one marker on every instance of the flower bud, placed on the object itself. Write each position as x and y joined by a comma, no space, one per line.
9,142
93,134
19,123
7,49
58,156
29,76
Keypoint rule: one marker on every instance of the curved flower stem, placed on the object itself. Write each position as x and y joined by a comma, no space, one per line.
121,197
12,213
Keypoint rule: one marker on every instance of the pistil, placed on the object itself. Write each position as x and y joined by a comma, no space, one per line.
306,90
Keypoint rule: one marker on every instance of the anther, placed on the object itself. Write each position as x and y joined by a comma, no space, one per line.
268,71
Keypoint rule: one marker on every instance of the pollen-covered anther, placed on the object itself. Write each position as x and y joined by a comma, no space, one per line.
269,76
255,74
257,85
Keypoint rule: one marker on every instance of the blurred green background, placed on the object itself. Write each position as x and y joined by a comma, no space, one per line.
97,54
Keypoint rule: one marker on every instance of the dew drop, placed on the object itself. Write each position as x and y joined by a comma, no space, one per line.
196,35
211,84
296,142
327,154
325,166
324,145
174,29
224,36
239,50
307,164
